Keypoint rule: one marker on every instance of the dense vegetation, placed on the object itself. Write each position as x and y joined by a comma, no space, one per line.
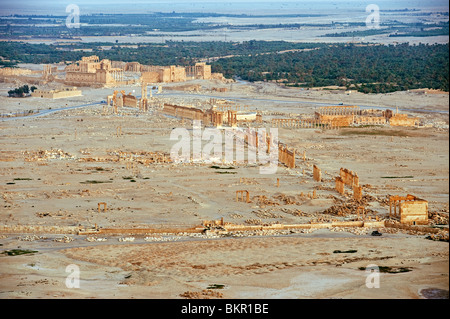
48,26
417,29
121,24
375,68
21,91
167,53
367,68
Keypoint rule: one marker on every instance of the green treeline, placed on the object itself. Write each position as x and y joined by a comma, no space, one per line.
167,53
367,68
370,69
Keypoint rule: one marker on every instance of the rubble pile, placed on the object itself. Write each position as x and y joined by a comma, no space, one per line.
253,222
30,238
272,232
141,156
266,214
437,218
159,239
43,155
204,294
65,239
262,201
346,208
91,239
322,219
353,230
441,236
296,212
288,200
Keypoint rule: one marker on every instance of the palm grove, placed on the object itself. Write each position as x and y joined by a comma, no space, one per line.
366,68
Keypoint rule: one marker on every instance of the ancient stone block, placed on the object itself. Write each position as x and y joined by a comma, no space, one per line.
317,174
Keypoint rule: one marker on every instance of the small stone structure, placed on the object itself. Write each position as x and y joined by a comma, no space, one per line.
240,194
100,205
57,93
410,209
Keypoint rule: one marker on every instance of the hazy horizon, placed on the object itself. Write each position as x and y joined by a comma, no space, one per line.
48,7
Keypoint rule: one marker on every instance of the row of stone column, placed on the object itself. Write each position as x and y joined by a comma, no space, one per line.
338,110
117,75
286,157
299,123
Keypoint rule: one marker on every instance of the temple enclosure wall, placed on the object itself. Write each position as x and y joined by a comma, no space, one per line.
90,71
57,94
403,120
339,116
208,117
335,120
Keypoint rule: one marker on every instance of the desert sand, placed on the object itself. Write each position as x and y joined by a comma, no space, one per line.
48,180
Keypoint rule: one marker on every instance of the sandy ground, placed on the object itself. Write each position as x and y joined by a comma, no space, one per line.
56,191
263,268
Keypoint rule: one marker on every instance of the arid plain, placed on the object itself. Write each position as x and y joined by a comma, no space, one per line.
58,166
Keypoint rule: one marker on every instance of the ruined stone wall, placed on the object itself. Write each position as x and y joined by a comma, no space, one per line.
357,192
218,76
335,120
72,68
85,78
132,67
186,112
150,77
185,87
298,123
56,94
119,65
89,67
199,71
169,109
246,117
317,174
286,157
370,120
172,74
414,212
38,229
204,70
403,120
339,185
130,101
91,58
348,177
338,110
14,71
